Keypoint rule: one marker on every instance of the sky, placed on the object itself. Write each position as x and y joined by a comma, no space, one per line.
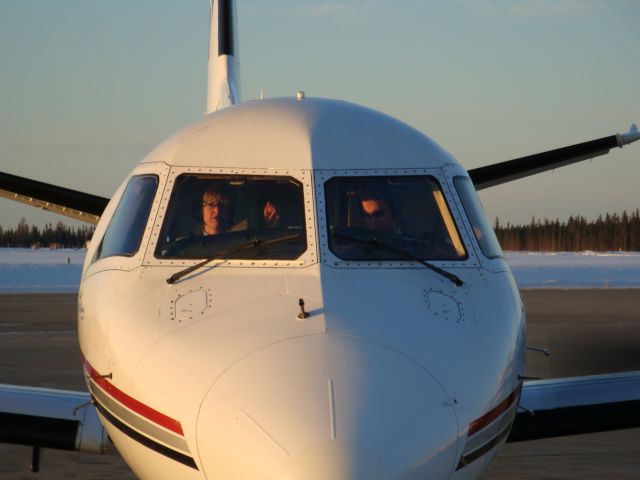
89,87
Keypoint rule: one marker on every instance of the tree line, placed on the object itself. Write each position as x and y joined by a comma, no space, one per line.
60,236
612,232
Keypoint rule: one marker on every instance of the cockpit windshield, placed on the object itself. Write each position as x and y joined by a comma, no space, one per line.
390,218
234,217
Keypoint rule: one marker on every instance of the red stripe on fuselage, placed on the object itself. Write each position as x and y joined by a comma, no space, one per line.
490,416
131,403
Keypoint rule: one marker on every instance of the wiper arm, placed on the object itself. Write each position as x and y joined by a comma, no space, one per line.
253,243
373,241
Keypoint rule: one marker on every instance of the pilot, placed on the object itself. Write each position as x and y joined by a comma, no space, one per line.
216,214
379,211
216,208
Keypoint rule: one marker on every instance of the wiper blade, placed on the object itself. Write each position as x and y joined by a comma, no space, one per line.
253,243
375,242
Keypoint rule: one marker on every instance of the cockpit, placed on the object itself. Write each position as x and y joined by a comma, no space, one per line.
390,218
262,217
231,217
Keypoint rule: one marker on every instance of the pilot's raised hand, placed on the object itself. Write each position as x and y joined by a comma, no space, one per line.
271,215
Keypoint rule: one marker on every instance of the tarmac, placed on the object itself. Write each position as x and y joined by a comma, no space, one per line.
587,331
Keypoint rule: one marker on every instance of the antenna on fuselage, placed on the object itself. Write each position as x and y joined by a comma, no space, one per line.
223,85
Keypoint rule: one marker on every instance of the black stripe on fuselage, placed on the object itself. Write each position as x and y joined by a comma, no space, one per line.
225,28
146,441
476,454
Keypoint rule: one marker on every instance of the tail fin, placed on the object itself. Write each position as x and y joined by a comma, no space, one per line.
223,88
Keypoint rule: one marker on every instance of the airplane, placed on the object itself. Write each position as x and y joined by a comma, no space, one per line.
354,319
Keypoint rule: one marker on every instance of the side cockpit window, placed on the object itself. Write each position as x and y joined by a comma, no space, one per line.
391,218
481,228
234,217
126,228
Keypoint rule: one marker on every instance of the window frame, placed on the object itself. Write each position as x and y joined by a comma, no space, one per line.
484,221
451,200
97,253
303,177
121,262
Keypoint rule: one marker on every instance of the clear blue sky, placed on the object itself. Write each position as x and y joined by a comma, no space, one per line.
88,87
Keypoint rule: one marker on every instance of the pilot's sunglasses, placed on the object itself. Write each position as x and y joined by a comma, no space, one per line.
375,214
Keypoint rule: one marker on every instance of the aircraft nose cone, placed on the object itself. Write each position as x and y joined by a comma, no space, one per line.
326,407
335,461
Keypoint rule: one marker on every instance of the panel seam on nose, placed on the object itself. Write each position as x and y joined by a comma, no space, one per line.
332,410
266,433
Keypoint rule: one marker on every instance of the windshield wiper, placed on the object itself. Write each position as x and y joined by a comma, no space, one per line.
255,242
375,242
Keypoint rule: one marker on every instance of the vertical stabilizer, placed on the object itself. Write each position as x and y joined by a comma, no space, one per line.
223,88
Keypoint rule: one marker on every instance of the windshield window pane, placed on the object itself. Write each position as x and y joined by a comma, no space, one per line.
390,218
125,230
234,217
481,228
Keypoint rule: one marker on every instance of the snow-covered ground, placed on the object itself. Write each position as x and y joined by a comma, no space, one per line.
581,269
25,270
44,270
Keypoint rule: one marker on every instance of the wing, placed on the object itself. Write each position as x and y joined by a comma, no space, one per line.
67,202
47,418
498,173
568,406
88,207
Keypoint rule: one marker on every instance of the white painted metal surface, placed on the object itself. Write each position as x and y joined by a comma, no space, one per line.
631,136
411,359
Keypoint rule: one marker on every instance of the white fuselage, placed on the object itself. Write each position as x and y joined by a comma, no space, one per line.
395,373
